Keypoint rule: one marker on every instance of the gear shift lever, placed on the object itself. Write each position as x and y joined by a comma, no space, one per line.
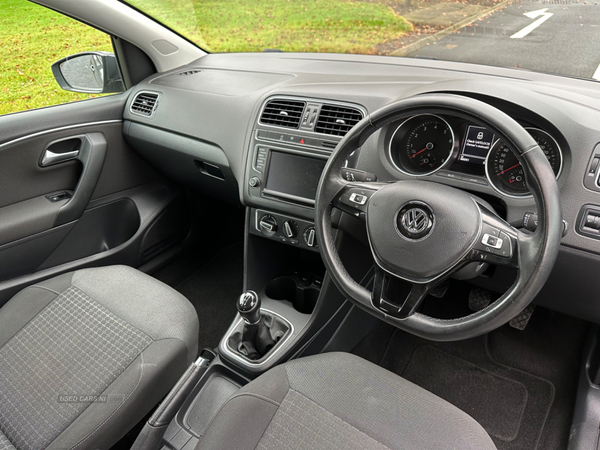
248,306
257,335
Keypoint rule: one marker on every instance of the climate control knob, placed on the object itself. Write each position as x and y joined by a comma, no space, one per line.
267,225
290,229
310,237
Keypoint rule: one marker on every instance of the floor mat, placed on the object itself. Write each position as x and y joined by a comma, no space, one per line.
520,385
213,291
496,402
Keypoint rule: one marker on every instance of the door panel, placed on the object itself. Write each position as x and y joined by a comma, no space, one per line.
107,206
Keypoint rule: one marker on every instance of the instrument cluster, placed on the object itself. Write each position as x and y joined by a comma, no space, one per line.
425,143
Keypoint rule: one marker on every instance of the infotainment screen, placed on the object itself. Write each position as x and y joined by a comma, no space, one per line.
294,175
478,142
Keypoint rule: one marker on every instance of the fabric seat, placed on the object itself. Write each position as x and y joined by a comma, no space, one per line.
340,401
86,355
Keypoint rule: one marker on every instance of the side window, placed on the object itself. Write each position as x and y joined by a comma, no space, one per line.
32,39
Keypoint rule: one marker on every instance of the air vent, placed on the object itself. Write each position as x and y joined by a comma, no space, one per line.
189,72
145,103
337,120
283,113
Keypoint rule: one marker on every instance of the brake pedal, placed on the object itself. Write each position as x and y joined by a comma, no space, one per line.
479,299
522,319
440,290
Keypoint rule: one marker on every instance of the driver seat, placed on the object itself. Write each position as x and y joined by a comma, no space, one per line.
340,401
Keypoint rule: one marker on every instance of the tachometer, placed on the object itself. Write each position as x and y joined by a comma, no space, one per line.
504,169
422,145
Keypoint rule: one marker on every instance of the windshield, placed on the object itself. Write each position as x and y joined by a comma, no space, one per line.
555,36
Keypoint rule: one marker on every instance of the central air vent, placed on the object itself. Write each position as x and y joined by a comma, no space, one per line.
283,113
145,104
189,72
337,120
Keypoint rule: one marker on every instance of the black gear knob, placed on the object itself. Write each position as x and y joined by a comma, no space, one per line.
248,305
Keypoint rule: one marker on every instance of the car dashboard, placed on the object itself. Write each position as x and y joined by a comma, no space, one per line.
257,129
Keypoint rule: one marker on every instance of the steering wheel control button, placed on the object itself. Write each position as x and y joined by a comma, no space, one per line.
491,241
488,229
358,175
505,249
358,199
415,220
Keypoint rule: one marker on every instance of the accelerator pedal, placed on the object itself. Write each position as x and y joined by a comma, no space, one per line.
479,299
440,290
522,319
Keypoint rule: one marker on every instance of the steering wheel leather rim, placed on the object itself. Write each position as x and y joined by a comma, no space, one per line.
538,251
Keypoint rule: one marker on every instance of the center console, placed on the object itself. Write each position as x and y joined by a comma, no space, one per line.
291,141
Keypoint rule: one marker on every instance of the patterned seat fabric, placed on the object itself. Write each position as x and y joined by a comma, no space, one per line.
86,355
5,443
339,401
69,353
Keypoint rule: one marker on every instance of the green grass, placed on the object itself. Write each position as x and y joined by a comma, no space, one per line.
339,26
31,39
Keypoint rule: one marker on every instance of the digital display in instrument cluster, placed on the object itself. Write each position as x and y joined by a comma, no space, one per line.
477,144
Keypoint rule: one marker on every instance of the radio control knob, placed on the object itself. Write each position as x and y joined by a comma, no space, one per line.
290,229
254,182
267,225
310,237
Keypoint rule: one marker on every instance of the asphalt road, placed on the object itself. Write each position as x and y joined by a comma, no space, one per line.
567,42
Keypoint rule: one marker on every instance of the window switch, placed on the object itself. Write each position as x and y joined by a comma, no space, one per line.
594,166
58,196
592,221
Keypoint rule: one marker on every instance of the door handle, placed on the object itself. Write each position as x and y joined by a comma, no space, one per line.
90,150
50,158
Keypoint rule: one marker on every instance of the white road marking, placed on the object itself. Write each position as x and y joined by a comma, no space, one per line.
596,75
529,28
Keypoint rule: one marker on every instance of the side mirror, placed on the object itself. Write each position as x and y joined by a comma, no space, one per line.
89,72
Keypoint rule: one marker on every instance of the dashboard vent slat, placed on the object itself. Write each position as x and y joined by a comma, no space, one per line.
337,120
145,104
283,113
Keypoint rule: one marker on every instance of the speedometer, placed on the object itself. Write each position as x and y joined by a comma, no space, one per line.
505,172
422,144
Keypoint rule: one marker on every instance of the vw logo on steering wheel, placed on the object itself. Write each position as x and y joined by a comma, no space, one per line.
414,220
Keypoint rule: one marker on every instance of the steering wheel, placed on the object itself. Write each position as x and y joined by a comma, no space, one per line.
423,232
